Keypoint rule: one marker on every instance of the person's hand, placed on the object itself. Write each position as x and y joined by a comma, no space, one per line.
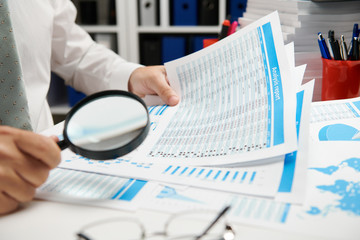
25,161
152,80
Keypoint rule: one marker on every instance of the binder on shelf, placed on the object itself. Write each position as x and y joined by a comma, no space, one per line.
208,12
236,8
173,47
112,12
103,11
74,96
148,12
184,12
88,12
106,39
150,50
57,94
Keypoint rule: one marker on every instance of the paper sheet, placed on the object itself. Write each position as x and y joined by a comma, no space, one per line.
78,187
250,121
331,209
259,180
254,179
336,121
292,187
237,102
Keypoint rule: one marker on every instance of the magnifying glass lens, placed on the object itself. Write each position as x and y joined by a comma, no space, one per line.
107,125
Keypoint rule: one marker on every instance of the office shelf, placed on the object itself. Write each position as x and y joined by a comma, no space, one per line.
127,30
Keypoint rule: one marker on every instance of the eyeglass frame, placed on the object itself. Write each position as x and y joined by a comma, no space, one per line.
228,229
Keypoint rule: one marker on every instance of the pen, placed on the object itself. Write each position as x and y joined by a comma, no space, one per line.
343,48
233,27
329,44
224,29
323,47
355,34
334,45
355,49
356,30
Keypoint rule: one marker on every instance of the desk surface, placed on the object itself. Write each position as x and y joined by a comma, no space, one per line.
51,220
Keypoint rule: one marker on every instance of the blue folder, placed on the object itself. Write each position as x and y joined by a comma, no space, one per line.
184,12
74,96
236,9
173,47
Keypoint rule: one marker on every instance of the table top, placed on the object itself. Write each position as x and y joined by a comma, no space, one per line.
53,220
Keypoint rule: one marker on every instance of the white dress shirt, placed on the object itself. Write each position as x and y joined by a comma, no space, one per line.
48,40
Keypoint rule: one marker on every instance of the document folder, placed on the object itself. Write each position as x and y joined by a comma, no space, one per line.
209,12
236,9
150,50
173,47
148,12
184,12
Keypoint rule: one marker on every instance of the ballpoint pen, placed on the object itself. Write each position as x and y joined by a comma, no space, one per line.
356,30
355,49
354,34
329,45
334,44
343,48
323,47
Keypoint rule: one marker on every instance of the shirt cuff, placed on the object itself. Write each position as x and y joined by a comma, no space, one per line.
120,75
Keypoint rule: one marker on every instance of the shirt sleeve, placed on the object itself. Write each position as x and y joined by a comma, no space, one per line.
83,64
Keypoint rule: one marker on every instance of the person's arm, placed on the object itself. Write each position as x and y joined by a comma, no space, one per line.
25,161
90,67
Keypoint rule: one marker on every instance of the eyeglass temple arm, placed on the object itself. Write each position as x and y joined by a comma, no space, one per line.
222,213
82,236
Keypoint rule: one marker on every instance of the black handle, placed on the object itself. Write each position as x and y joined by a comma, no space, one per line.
63,144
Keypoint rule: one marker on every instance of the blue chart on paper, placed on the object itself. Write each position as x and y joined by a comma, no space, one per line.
157,110
347,192
338,132
116,161
246,177
171,193
92,185
129,190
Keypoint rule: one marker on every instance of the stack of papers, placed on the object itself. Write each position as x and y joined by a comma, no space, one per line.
239,136
301,20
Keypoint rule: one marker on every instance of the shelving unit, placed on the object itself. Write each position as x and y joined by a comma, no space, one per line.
164,26
128,31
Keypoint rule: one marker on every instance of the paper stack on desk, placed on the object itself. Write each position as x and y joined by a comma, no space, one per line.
301,20
239,136
238,108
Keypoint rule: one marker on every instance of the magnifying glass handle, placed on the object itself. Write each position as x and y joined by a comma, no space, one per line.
62,144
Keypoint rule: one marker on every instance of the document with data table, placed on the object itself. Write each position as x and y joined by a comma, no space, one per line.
237,104
235,123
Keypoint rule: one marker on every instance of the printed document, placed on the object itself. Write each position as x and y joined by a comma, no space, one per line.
237,102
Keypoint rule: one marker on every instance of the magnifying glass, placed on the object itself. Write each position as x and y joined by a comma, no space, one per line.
106,125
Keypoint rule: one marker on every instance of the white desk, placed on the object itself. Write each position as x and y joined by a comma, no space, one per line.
51,220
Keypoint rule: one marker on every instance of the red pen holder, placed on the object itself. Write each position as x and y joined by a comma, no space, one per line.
341,79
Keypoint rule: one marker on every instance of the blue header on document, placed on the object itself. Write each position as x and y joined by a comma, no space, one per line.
277,91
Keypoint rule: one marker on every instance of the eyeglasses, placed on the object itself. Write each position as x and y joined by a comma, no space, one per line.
195,225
